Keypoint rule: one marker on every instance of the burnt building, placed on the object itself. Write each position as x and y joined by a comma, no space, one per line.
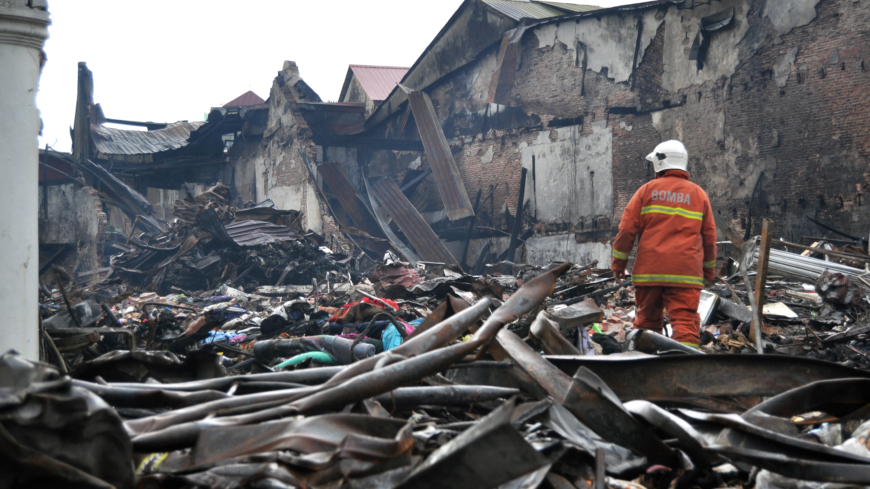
520,132
768,97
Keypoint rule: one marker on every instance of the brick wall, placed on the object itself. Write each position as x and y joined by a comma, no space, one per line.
810,138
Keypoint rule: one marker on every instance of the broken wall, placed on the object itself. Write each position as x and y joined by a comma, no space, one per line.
776,96
786,122
272,168
72,215
163,200
356,93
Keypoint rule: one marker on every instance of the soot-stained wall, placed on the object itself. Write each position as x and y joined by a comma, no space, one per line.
779,101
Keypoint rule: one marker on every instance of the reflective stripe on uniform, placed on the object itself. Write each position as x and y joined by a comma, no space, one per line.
710,264
620,255
672,211
672,279
687,343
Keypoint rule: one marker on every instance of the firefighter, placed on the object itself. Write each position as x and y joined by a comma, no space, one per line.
676,252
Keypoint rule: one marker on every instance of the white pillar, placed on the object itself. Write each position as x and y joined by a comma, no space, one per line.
23,30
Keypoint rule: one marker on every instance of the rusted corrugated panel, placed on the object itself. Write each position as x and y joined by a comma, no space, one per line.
346,194
450,185
421,236
53,169
246,99
398,244
378,81
505,70
112,141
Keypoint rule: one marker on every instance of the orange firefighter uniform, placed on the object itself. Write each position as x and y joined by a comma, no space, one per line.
672,219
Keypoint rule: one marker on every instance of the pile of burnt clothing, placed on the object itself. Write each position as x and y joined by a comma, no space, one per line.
485,395
211,243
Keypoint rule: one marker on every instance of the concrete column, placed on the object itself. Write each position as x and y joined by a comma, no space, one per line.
23,30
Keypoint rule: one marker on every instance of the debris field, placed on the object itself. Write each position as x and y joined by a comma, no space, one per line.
224,352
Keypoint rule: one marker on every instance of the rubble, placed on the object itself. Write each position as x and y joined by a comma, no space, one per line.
404,376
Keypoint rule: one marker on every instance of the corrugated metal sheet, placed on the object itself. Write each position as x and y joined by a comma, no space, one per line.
47,171
449,182
246,99
418,232
506,68
346,194
112,141
517,10
573,7
378,81
253,233
398,244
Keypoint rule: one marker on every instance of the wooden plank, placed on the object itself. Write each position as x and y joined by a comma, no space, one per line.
763,259
449,182
418,232
807,251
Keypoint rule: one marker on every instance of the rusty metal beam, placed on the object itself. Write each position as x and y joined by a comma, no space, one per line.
551,339
450,185
686,378
588,398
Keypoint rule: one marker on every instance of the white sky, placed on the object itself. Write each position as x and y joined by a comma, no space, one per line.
170,60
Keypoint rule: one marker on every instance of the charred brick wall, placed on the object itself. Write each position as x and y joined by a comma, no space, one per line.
795,133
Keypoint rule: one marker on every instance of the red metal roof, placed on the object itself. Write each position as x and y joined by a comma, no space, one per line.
378,81
246,99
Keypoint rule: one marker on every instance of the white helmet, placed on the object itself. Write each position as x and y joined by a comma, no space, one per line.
669,155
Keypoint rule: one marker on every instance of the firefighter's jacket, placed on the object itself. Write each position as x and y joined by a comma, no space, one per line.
672,219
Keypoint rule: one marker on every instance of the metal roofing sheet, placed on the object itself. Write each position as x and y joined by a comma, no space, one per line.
378,81
246,99
346,195
447,177
253,233
518,10
418,232
572,7
113,141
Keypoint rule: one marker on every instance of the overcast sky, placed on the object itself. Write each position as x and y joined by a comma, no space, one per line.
170,60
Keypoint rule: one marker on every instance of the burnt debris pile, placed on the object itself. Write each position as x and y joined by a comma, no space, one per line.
233,352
